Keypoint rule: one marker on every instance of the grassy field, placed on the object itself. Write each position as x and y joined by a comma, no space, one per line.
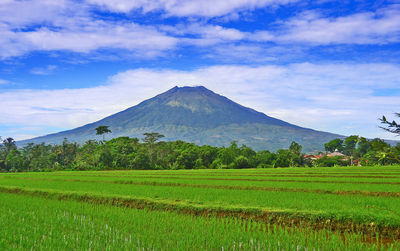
354,208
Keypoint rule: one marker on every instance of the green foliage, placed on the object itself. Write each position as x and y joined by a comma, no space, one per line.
87,156
226,156
331,161
151,138
129,153
241,162
289,158
216,164
101,130
141,160
361,151
295,148
282,158
265,158
186,159
262,165
349,145
106,159
392,127
15,161
9,144
379,145
208,154
363,147
333,145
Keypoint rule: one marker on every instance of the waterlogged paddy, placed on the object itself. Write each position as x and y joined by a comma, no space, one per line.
367,197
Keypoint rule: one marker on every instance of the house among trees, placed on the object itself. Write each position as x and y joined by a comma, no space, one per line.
336,153
329,159
313,157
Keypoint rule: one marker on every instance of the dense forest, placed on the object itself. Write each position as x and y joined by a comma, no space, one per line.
152,153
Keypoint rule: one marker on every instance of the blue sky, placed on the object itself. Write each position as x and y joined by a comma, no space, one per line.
327,65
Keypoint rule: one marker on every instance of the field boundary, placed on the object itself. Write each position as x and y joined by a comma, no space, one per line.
282,175
236,179
227,187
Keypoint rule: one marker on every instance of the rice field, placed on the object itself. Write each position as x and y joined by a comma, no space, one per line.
355,208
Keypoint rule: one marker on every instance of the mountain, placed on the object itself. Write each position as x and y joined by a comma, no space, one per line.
196,114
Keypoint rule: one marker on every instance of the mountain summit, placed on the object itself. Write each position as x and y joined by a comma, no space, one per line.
198,115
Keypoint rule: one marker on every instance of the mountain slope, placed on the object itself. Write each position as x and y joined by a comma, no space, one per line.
198,115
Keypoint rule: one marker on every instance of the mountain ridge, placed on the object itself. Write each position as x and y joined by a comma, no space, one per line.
198,115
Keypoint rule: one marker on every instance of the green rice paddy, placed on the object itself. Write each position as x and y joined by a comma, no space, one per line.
355,208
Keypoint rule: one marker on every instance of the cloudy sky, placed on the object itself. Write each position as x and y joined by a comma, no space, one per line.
324,64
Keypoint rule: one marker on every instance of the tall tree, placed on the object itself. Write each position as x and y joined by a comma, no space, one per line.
363,146
295,148
333,145
102,130
9,144
379,145
152,137
296,157
392,127
350,144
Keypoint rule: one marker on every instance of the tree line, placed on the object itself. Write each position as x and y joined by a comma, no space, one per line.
152,153
130,153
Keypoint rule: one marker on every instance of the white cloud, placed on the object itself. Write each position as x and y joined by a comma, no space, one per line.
242,53
380,27
86,37
331,97
44,70
4,82
18,14
204,35
188,8
215,32
67,25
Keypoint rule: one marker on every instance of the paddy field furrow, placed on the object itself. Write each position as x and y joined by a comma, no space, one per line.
34,222
342,200
230,187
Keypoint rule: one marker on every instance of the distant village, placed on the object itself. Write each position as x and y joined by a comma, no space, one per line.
336,153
